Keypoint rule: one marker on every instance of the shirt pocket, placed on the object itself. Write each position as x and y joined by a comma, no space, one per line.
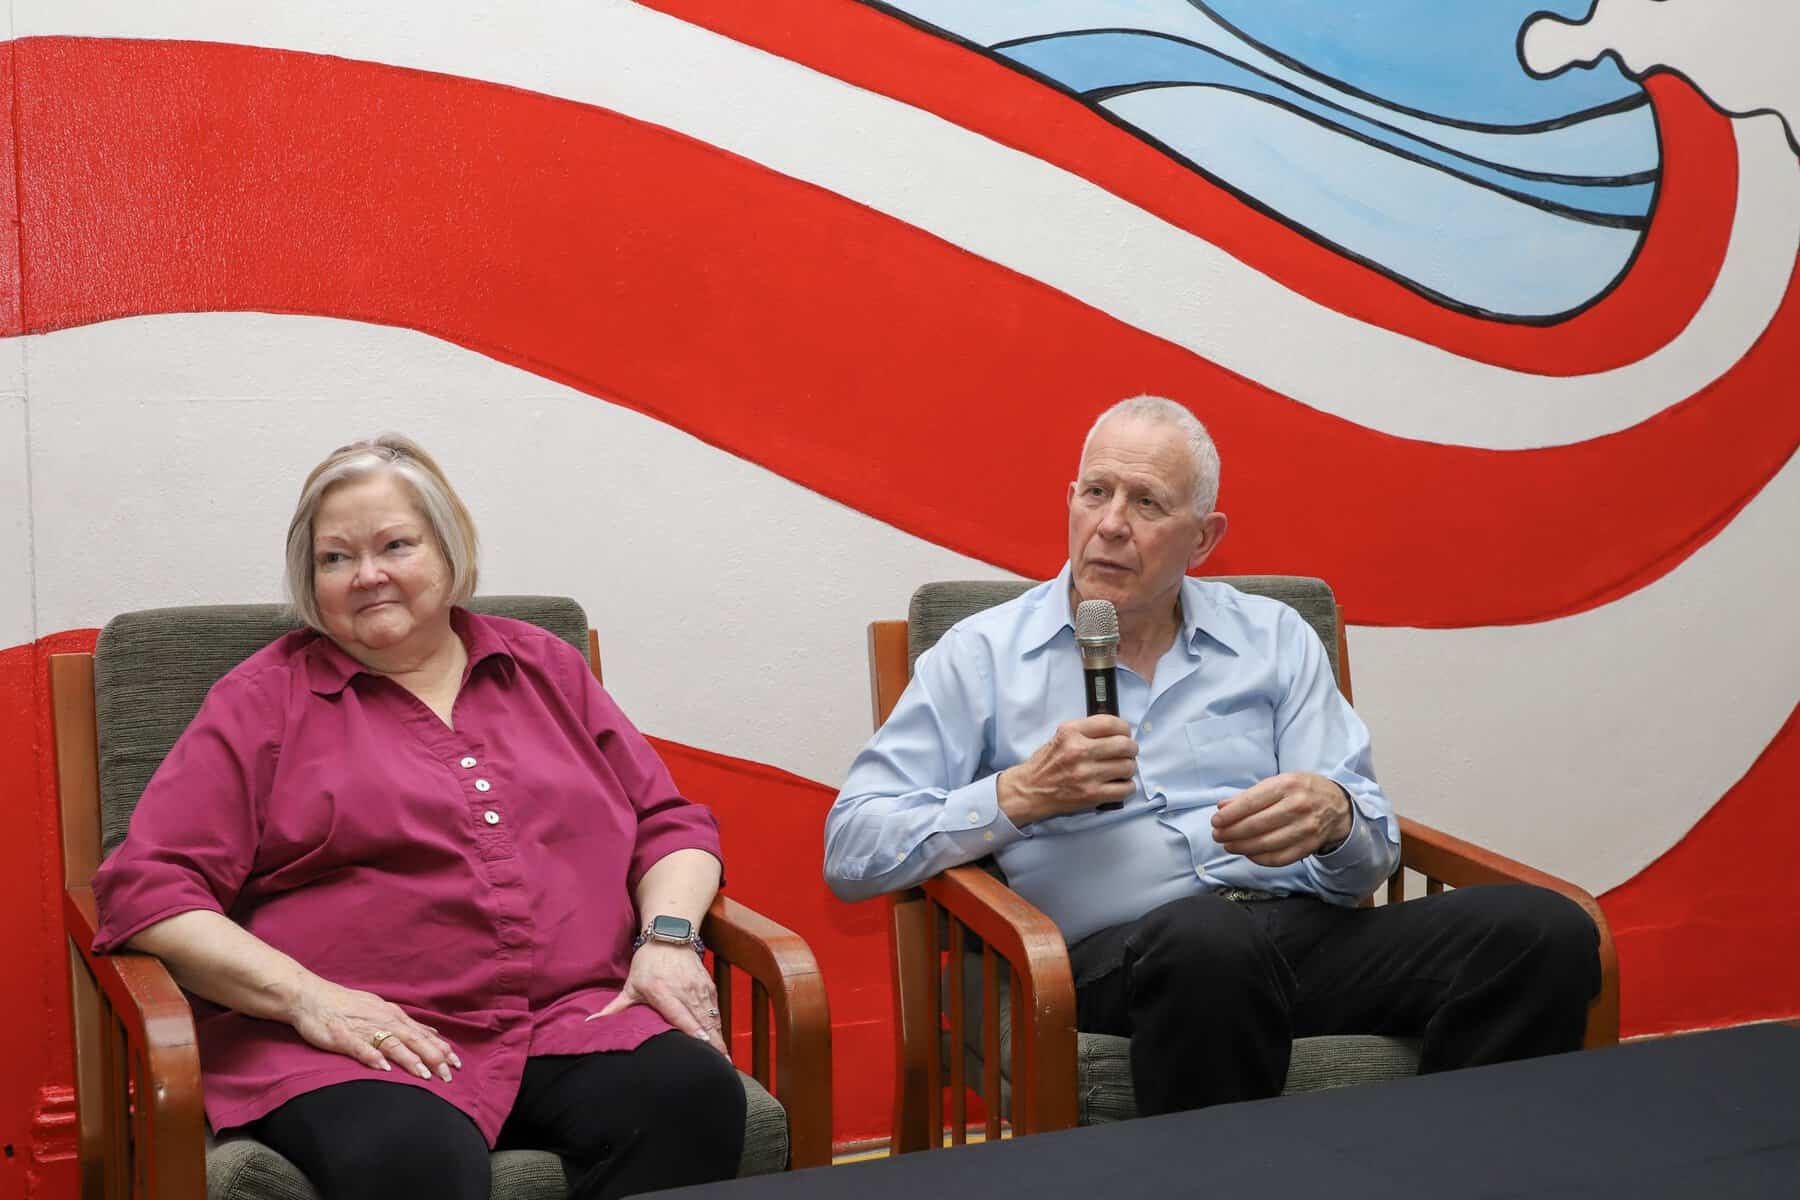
1232,752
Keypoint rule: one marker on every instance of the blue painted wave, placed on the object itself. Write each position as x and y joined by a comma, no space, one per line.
1403,132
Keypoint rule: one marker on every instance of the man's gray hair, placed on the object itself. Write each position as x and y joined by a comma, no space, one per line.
451,526
1202,454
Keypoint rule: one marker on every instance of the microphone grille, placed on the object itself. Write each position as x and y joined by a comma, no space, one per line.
1096,621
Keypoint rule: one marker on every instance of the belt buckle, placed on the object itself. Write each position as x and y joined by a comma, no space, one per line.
1239,895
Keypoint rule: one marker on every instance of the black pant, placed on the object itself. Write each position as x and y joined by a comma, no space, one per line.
666,1114
1212,992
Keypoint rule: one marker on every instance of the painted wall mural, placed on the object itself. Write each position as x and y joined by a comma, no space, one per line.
737,321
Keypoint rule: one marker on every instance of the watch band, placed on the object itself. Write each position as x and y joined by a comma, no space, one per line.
648,933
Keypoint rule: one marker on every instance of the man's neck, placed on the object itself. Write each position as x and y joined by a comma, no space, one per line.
1144,637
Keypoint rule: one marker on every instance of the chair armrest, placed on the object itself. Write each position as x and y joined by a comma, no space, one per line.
782,966
1028,940
1438,855
155,1090
1044,1045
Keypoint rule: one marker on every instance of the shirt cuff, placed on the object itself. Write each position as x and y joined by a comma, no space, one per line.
1355,826
973,820
1373,837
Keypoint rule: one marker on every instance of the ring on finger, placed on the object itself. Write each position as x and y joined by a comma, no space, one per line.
712,1012
380,1036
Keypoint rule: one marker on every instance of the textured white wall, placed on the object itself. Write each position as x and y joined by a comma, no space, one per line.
732,604
16,625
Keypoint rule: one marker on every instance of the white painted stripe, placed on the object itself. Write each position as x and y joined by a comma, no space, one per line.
16,624
1017,210
1589,745
732,603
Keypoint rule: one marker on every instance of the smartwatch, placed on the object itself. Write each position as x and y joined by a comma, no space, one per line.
679,930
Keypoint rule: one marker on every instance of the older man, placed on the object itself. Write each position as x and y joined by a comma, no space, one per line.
1212,918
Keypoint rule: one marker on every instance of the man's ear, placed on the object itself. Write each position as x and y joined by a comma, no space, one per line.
1212,532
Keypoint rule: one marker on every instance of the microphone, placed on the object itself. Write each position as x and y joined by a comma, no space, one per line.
1097,633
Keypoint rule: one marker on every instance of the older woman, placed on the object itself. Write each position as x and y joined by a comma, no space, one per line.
434,892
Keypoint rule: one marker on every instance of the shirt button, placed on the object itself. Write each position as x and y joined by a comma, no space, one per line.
467,762
1148,726
974,817
482,785
491,817
988,836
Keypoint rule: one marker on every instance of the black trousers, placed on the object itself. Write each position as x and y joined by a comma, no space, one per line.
666,1114
1212,992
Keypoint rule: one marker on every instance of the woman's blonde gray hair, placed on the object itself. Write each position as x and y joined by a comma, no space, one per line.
451,526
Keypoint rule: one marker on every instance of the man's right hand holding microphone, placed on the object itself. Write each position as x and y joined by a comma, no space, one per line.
1087,763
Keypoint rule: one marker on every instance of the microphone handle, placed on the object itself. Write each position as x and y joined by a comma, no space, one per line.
1102,687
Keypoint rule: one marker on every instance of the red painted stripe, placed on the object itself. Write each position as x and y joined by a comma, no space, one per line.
1706,932
1674,270
857,355
10,320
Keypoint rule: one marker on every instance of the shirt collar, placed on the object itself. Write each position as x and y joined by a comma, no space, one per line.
1049,615
330,668
1200,617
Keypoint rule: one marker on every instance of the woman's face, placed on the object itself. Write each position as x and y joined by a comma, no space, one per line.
379,578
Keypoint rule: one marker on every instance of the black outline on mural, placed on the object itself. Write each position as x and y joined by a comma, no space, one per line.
1530,127
1793,134
1106,93
1585,216
1419,289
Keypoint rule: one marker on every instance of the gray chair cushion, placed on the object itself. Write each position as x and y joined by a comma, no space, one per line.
239,1167
1103,1062
936,607
152,670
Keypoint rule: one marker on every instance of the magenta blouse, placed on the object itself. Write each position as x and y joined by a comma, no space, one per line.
481,878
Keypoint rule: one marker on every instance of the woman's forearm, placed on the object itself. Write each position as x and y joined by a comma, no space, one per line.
679,884
214,957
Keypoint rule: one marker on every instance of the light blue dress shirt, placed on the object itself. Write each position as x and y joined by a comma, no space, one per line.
1245,692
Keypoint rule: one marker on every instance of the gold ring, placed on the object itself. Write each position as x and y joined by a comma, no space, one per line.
379,1038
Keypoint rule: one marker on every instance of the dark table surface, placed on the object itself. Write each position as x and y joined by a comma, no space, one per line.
1707,1116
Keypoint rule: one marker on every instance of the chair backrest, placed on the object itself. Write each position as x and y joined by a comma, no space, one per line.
936,607
152,670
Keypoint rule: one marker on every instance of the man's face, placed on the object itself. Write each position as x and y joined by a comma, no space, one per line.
1133,531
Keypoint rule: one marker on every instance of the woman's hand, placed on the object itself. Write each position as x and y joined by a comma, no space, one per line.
669,977
213,956
363,1026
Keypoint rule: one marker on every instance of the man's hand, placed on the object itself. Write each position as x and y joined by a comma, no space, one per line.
1085,764
1284,819
669,977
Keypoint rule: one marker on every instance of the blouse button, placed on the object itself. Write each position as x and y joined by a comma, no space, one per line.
491,817
482,785
467,762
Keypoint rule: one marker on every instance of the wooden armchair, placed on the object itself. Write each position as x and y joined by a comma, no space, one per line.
141,1128
964,943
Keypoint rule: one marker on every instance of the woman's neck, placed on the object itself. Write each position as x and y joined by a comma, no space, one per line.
419,663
